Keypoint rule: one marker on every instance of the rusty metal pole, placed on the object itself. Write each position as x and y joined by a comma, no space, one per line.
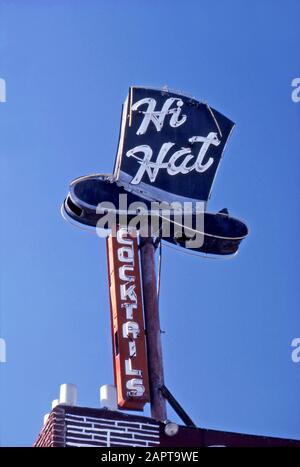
154,348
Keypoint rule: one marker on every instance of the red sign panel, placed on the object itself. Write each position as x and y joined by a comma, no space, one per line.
128,334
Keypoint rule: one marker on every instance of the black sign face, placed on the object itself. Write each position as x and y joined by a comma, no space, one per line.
170,145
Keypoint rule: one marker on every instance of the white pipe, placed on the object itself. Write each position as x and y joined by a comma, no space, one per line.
55,402
108,397
46,416
68,394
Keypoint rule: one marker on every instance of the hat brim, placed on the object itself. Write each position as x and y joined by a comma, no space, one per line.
91,198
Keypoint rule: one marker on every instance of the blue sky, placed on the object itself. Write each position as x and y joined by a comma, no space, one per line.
229,324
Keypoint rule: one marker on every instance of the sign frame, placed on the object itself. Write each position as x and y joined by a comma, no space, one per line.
127,320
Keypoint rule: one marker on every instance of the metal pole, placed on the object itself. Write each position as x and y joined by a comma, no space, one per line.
154,349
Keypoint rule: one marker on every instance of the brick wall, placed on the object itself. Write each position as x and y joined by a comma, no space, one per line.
74,426
91,431
53,433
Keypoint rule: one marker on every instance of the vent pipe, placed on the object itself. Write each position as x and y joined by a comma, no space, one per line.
68,394
46,416
108,397
55,402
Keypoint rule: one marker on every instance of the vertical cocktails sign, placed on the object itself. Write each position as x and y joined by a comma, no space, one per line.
128,335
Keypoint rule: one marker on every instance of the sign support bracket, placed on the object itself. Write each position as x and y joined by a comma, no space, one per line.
177,407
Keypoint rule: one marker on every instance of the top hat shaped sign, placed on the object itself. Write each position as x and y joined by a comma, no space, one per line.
170,148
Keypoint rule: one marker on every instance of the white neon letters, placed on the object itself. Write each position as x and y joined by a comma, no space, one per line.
158,117
180,162
129,303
